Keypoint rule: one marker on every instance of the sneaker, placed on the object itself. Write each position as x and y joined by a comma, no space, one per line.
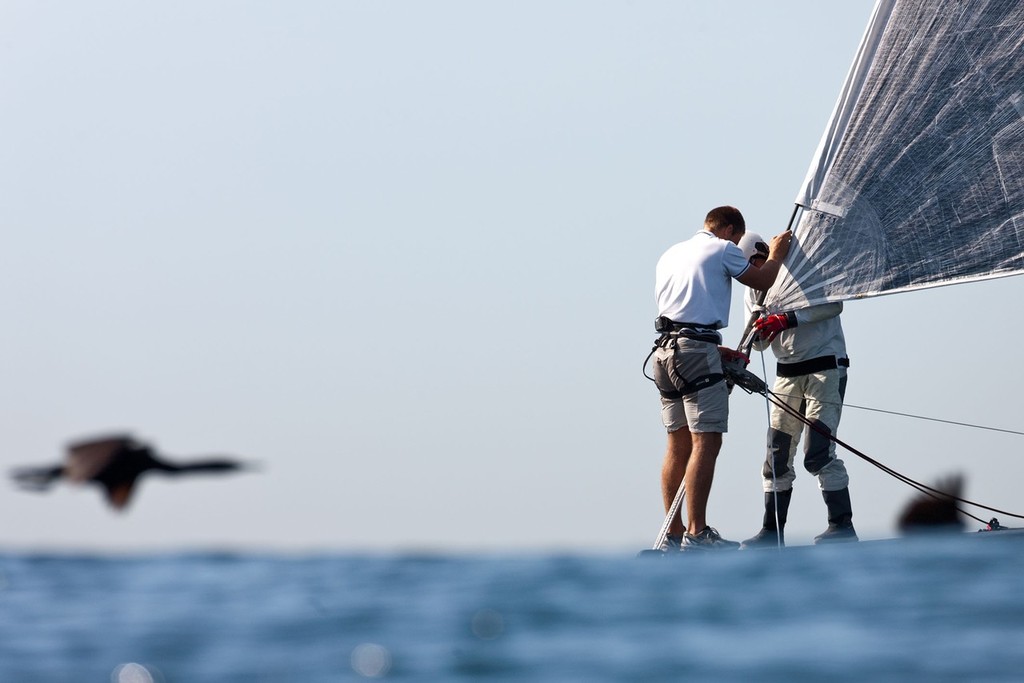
707,539
837,533
671,544
765,538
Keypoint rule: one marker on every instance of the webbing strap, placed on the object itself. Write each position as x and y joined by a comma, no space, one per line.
807,367
689,387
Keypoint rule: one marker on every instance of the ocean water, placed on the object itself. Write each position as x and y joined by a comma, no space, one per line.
933,609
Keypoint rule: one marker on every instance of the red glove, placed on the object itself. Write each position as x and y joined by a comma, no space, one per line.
769,327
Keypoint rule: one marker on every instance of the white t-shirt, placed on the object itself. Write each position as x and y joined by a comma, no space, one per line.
693,280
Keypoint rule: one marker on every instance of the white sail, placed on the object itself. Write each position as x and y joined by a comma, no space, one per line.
919,178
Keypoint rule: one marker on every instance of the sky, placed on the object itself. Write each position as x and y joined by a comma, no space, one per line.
402,255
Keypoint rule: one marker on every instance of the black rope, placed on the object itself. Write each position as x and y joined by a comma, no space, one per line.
644,369
923,488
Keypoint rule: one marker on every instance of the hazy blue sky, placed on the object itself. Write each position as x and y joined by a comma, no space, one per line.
402,254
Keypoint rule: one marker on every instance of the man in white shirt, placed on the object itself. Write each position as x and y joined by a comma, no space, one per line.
693,289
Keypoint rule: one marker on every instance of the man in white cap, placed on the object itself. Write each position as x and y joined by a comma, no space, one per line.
810,378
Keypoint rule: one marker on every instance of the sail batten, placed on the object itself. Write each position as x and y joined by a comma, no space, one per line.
919,178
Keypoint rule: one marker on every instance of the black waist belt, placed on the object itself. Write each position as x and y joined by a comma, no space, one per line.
695,331
663,324
809,367
695,326
709,337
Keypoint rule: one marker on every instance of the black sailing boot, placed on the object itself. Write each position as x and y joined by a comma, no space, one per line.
770,535
840,518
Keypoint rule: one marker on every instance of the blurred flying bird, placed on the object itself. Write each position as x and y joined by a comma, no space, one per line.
115,463
936,512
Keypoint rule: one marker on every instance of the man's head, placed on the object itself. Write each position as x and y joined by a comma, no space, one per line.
726,222
754,248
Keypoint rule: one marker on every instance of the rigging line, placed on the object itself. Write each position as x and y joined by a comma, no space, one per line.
673,510
769,456
935,419
923,488
916,417
888,470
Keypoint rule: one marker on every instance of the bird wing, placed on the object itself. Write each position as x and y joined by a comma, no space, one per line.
86,459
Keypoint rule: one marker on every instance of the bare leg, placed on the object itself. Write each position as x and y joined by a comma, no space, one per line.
677,455
699,475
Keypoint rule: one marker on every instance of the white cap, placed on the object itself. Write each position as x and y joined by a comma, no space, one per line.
752,244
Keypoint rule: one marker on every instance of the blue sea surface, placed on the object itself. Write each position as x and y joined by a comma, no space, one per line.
931,609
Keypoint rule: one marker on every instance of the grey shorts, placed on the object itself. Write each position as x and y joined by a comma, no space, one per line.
706,410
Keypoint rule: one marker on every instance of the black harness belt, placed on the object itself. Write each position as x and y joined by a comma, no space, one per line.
701,333
810,366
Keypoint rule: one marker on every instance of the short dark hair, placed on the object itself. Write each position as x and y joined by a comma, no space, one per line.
723,217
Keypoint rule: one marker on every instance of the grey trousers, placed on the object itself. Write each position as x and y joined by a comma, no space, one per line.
819,397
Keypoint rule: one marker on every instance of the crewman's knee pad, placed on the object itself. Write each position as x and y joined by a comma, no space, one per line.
778,444
817,449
